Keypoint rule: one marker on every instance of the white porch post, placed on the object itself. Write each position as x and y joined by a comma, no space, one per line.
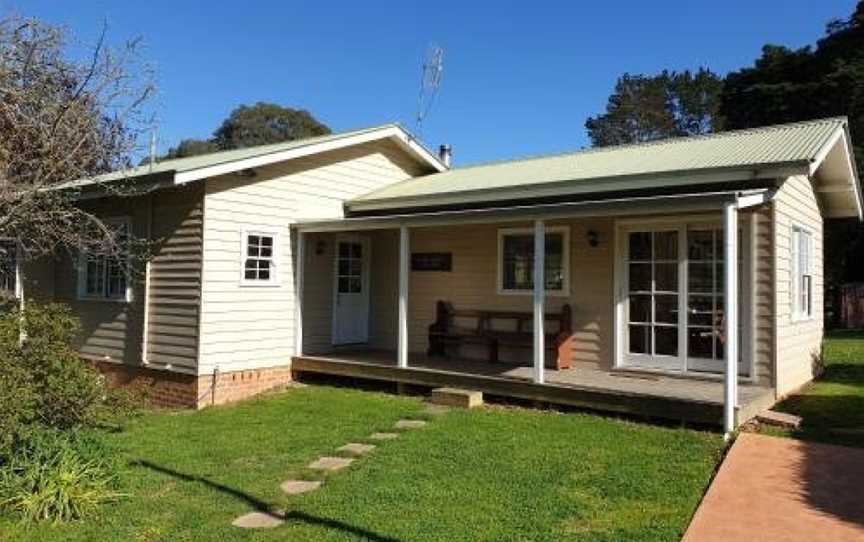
539,298
300,255
404,257
730,293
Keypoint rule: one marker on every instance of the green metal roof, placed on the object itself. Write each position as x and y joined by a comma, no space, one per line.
181,165
626,167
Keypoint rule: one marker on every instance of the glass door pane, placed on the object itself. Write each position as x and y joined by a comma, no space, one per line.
653,288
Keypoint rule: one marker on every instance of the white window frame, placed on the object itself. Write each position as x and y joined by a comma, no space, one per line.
82,270
275,258
799,312
565,257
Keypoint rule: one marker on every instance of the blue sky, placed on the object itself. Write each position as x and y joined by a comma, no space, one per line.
520,78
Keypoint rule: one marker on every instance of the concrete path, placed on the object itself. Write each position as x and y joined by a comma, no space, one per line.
779,489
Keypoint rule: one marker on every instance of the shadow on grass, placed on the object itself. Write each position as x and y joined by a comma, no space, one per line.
261,506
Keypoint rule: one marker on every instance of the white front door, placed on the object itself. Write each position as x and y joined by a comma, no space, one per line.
351,291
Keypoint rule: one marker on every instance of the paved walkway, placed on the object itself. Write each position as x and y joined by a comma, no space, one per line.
777,489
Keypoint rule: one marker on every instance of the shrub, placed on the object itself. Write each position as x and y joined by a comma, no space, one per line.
59,476
42,379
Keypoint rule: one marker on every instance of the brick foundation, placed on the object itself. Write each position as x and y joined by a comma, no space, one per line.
178,390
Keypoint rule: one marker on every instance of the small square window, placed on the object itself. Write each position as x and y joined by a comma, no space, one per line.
259,262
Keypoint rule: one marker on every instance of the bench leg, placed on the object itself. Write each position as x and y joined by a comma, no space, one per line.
493,351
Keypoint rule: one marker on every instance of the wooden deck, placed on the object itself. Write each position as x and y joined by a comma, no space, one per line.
626,392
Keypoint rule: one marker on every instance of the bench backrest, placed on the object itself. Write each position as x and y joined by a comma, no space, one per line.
446,315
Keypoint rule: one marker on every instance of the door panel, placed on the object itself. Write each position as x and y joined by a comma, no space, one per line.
351,291
653,292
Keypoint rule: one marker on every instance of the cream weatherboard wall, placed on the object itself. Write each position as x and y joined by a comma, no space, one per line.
798,340
244,327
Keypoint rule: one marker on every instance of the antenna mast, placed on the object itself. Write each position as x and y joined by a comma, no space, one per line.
430,81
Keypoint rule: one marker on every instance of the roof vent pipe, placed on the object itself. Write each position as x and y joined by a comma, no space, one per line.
445,153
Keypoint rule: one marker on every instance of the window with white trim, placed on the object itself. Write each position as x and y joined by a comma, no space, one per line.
106,276
259,258
802,272
8,268
516,260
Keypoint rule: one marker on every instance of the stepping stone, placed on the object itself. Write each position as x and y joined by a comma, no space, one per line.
457,397
779,419
330,463
259,520
356,448
383,436
409,424
296,487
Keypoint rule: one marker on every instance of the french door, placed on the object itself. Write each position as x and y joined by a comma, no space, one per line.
673,304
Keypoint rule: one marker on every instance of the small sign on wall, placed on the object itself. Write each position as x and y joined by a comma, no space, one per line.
431,261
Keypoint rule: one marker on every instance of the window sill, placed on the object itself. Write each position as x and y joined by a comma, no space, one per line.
244,284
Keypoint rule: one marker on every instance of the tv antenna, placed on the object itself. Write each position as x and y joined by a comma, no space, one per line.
430,81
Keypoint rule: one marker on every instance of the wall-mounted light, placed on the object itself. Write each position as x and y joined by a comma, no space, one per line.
320,245
593,238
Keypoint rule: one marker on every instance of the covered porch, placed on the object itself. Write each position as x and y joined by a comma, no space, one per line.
648,306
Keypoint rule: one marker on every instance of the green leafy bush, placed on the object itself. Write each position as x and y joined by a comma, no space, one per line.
49,468
42,379
59,476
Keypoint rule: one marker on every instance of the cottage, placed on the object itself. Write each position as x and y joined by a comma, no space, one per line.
681,278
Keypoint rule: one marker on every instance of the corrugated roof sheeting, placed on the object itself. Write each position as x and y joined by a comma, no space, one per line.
773,145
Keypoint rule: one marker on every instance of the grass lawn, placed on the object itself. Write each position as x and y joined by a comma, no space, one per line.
491,474
833,406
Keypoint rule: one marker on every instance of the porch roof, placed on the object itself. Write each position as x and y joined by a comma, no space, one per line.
680,202
744,155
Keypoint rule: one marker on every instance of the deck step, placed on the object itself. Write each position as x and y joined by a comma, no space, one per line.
779,419
457,397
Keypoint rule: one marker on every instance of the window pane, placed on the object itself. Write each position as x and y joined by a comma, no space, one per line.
640,308
343,285
249,274
666,245
267,242
700,311
355,285
356,250
266,252
640,277
263,274
640,246
666,277
699,343
700,278
355,268
343,267
344,250
640,340
666,309
666,341
700,244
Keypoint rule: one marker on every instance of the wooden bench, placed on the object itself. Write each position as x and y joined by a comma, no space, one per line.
494,329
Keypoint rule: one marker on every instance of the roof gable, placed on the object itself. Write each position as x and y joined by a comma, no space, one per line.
193,168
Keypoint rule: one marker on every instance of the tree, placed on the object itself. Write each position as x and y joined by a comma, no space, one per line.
264,123
191,147
787,85
647,108
62,120
250,125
